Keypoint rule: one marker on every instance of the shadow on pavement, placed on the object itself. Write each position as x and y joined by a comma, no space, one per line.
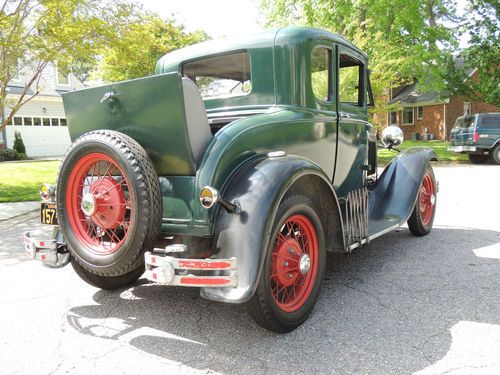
386,308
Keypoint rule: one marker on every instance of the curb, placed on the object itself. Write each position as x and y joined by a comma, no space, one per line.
12,221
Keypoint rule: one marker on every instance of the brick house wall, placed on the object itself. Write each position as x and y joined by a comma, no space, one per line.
437,123
433,120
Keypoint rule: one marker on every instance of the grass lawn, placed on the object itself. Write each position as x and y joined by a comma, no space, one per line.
19,182
439,147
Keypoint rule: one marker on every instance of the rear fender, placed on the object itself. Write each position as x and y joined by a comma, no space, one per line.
396,191
259,186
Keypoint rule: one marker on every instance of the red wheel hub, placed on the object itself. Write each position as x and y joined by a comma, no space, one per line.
294,263
109,203
427,199
99,204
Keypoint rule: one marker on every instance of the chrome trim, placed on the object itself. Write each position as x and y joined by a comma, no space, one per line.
276,154
372,237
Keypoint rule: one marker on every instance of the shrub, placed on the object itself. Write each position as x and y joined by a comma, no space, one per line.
21,156
7,154
19,147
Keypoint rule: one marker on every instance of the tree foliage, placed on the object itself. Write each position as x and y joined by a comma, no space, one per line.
75,35
405,40
135,50
483,53
35,33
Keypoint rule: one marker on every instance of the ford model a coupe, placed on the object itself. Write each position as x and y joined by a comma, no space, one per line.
234,169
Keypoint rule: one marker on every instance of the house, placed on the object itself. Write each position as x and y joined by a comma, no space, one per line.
428,115
41,121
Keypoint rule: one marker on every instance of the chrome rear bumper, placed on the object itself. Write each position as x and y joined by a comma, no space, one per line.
168,270
50,251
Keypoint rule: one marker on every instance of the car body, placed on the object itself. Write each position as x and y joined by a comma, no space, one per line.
239,190
478,136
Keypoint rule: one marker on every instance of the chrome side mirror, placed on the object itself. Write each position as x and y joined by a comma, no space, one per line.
392,136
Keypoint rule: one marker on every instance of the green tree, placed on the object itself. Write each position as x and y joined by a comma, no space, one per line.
134,50
483,53
35,33
405,40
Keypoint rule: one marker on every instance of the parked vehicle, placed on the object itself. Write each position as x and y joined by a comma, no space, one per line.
234,169
478,136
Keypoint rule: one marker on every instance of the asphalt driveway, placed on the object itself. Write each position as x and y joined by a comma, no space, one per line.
403,304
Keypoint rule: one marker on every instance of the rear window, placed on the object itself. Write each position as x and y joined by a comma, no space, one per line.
465,122
221,76
490,120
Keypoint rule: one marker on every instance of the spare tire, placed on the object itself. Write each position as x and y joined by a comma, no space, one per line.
108,202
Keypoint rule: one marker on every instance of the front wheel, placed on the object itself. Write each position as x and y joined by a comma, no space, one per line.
478,159
422,217
293,269
495,155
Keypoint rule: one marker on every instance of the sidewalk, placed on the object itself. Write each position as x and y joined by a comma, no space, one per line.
12,210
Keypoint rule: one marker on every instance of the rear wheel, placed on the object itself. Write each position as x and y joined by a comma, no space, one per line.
478,159
422,217
109,207
495,155
294,267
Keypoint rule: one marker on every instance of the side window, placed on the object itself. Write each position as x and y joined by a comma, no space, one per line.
350,81
221,76
321,62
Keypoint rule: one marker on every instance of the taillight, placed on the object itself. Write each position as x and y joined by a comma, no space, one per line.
475,137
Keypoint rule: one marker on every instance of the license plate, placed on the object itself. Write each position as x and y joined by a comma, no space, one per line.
48,214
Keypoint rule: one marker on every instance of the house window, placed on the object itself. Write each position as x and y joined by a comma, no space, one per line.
467,109
62,79
63,121
46,121
420,113
28,121
18,121
393,120
350,81
54,121
408,116
37,121
320,73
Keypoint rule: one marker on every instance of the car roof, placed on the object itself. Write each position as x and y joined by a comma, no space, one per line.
264,39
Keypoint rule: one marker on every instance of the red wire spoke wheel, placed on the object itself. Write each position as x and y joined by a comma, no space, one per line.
99,204
422,218
293,269
294,263
427,199
109,207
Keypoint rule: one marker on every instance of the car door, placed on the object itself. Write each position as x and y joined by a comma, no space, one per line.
351,164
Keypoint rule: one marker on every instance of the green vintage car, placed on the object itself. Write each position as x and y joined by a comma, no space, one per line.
234,169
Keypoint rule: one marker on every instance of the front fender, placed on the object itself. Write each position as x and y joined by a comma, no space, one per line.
259,187
394,196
